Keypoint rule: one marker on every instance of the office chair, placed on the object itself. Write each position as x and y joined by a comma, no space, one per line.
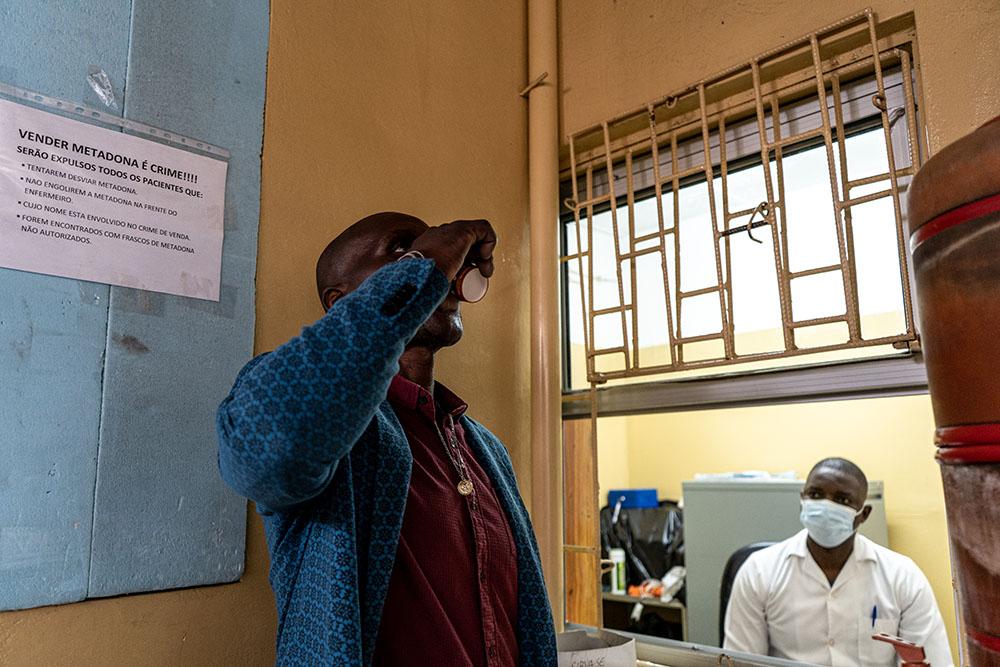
733,566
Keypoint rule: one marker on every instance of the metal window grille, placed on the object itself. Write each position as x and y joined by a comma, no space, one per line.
813,93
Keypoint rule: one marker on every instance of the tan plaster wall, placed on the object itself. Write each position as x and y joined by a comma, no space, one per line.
410,106
616,55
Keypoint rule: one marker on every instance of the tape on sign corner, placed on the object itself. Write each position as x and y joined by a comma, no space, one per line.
100,82
139,301
225,307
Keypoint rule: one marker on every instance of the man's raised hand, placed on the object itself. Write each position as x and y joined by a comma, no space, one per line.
456,244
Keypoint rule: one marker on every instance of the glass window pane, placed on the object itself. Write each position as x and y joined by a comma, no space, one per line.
820,295
808,211
749,269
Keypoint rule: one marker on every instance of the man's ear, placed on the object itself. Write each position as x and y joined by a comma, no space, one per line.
330,296
861,518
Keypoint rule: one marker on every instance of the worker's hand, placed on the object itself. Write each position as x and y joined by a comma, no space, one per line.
457,244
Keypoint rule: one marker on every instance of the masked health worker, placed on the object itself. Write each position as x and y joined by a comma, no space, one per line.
820,595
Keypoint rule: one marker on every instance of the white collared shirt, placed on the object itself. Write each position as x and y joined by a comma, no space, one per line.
782,605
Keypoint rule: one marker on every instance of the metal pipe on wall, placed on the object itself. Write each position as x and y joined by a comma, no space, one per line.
543,181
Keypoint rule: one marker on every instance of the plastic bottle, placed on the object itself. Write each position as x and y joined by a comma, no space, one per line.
618,573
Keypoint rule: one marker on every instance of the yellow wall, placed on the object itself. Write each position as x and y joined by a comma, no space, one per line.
408,106
614,462
616,56
890,438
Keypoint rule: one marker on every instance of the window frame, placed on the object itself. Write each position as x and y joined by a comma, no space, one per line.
899,375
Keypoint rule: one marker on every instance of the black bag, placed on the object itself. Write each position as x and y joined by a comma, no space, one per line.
653,538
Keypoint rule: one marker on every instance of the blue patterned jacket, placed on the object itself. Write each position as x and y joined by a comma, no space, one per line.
307,434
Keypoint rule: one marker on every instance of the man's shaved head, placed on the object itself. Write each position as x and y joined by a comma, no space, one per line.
849,468
365,247
838,478
344,263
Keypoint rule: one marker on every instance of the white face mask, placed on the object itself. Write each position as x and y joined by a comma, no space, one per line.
829,524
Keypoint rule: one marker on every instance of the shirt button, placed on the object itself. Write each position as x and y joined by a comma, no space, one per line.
830,643
492,652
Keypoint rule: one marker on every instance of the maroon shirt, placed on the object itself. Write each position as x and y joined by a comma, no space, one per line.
452,597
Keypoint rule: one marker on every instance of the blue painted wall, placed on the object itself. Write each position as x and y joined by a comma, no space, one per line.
108,482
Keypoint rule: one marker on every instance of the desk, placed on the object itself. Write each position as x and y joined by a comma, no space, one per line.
618,610
683,654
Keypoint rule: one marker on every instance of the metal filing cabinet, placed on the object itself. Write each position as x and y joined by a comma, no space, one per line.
720,516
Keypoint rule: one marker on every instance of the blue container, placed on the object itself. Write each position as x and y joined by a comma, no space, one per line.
634,498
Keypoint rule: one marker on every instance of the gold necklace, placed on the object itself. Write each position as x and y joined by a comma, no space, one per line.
465,486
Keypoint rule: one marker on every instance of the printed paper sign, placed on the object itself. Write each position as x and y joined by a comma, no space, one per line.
86,202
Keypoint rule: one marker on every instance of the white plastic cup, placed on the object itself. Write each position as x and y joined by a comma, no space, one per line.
471,284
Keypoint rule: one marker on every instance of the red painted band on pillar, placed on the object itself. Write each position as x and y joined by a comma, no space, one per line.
956,216
991,642
967,434
975,454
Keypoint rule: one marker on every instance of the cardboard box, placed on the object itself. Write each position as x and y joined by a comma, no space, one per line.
605,649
